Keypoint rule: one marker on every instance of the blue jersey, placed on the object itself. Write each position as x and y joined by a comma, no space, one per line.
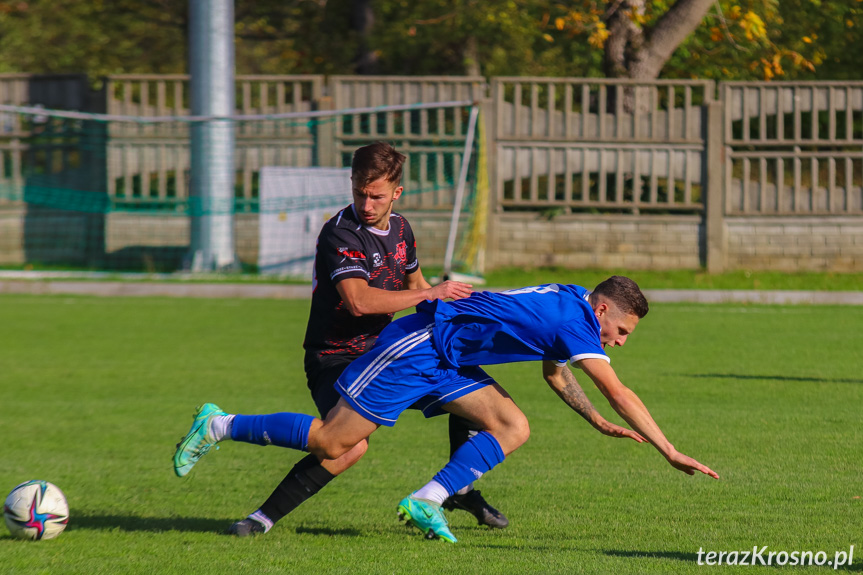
547,322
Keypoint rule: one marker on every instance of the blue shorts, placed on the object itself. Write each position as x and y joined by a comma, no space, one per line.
403,370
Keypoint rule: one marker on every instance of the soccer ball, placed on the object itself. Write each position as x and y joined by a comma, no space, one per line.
36,510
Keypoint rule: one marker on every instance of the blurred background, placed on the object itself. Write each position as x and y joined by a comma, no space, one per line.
631,134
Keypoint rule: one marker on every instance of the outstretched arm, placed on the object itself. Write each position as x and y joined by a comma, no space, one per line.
628,405
563,382
362,299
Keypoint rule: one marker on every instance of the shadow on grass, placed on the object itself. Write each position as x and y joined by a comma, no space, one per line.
777,378
156,524
676,555
196,524
329,531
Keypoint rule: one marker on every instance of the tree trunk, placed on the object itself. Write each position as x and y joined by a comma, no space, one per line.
670,31
624,37
630,53
471,57
363,23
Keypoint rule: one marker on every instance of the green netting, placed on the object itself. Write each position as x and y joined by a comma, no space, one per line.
105,193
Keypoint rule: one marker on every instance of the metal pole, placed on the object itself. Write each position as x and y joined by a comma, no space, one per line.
459,193
211,64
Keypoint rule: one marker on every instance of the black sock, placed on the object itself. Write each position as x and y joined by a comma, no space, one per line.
305,479
460,430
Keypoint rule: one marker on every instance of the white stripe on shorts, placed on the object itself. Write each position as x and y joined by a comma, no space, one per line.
442,399
389,355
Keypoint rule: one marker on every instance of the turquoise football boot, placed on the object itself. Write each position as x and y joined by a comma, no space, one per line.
426,516
198,441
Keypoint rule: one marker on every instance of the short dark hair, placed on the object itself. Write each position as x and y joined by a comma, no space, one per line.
625,293
375,161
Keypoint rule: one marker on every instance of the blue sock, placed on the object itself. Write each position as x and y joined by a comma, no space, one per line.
477,456
282,429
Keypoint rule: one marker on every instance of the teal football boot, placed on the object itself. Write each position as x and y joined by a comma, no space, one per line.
198,441
426,516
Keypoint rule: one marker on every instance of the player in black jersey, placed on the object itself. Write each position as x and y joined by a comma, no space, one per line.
366,269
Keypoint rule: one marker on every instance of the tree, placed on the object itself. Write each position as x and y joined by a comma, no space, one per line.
98,37
631,52
363,23
455,37
755,39
644,39
104,37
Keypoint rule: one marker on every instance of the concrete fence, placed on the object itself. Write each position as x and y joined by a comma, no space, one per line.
582,172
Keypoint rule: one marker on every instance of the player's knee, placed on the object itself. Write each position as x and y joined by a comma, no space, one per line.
512,433
520,430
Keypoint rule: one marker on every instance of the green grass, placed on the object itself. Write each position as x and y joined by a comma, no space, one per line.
517,277
685,279
96,392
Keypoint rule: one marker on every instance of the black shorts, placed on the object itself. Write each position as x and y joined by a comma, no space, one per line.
321,383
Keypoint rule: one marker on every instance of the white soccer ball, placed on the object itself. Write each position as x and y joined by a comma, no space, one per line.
36,510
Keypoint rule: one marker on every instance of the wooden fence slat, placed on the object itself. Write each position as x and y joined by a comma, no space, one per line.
585,111
762,184
601,176
600,116
813,118
619,176
762,114
669,120
780,114
585,177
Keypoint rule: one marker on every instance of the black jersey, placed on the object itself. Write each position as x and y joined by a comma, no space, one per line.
347,248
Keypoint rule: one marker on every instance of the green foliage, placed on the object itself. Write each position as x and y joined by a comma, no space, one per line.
294,37
96,37
752,39
832,32
97,391
802,39
102,37
431,37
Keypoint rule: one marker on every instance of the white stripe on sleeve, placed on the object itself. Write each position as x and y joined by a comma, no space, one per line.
581,356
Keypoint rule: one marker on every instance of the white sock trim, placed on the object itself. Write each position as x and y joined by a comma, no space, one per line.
262,519
432,491
466,489
220,427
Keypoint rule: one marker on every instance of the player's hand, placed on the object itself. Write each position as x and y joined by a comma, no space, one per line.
689,466
612,430
450,289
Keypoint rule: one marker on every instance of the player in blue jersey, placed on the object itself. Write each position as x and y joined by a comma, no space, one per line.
431,360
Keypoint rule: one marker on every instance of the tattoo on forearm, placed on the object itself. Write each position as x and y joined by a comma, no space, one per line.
574,397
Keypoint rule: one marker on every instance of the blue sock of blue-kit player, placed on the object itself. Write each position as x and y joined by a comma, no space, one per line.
477,456
282,429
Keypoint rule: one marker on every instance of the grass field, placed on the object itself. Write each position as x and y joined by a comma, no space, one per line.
684,279
517,277
96,392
